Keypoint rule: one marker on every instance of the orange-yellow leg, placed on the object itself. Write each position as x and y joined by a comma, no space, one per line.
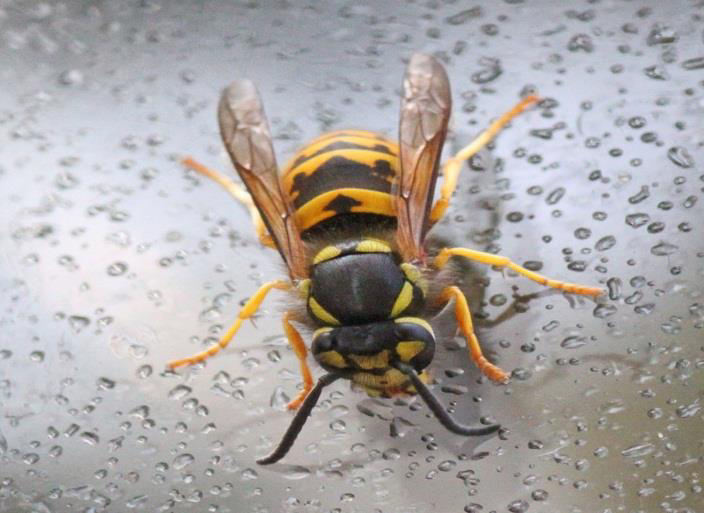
249,309
453,167
502,261
299,347
464,319
239,193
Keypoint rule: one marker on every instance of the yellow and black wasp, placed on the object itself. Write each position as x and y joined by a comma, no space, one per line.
349,214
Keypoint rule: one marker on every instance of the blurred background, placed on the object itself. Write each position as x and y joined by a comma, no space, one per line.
114,259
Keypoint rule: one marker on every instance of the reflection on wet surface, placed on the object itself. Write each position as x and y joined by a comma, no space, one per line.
114,260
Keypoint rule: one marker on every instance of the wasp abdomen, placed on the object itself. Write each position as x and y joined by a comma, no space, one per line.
342,173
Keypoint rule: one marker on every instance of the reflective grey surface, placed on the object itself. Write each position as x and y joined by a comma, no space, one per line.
113,260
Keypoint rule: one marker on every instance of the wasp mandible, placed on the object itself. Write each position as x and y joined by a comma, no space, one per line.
349,215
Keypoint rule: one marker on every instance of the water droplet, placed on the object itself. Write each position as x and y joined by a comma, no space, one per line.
296,473
692,64
637,451
179,392
518,506
661,34
614,286
656,72
603,311
664,249
582,233
680,156
66,181
78,323
555,196
605,243
581,42
117,269
643,194
637,220
105,384
183,460
90,438
491,71
279,399
71,77
573,342
463,16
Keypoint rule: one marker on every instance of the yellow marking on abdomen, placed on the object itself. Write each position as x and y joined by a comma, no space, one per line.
365,134
349,138
372,246
372,202
310,166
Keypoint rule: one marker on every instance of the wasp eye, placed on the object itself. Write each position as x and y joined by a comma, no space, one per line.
324,339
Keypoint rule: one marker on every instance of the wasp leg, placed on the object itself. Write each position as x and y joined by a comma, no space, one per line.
502,261
239,193
249,309
464,319
299,347
453,167
299,420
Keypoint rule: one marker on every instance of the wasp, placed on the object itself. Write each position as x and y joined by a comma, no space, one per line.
349,215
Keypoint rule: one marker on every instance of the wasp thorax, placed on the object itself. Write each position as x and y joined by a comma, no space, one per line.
362,282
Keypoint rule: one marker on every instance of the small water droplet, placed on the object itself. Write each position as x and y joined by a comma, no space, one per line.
605,243
71,77
664,249
680,156
183,460
117,269
573,342
637,451
692,64
656,72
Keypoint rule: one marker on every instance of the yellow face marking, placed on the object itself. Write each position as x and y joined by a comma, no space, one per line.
372,246
403,300
332,358
408,349
368,362
327,253
415,276
304,287
418,321
321,313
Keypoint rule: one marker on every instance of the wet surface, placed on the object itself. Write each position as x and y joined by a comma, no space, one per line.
114,260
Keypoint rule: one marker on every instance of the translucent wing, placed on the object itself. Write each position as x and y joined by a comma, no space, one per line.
245,132
425,111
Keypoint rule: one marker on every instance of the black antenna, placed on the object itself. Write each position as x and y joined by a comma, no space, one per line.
438,409
299,420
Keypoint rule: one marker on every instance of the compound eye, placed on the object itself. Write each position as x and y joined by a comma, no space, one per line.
323,340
